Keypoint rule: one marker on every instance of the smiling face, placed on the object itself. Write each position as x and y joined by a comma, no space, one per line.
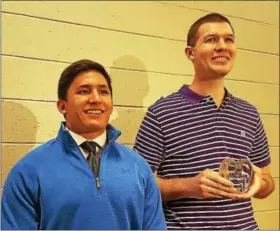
214,52
88,104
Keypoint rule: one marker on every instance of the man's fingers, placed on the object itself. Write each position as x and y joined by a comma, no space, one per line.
210,195
215,177
219,186
253,189
215,192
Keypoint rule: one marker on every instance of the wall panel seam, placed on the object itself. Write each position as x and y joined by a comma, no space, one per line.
228,15
119,31
133,70
115,105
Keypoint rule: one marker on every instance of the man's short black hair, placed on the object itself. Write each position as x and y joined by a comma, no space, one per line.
213,17
70,72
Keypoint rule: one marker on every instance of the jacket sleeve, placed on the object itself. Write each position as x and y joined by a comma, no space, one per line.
18,205
153,213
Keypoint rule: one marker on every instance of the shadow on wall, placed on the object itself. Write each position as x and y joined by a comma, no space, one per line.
130,87
19,125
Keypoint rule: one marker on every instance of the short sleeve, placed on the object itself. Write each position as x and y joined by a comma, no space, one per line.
150,141
260,155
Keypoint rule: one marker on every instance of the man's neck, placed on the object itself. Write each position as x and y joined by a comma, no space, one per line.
215,88
80,138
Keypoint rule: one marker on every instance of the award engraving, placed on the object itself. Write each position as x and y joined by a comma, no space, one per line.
238,171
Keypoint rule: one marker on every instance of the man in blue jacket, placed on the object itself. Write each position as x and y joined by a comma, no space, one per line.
82,179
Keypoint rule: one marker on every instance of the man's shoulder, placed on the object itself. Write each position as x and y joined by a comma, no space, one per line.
36,155
31,162
244,104
167,100
130,155
122,147
126,151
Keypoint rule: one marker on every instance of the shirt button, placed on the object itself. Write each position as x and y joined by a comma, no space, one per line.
207,100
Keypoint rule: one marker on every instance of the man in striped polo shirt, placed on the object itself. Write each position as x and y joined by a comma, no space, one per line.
186,135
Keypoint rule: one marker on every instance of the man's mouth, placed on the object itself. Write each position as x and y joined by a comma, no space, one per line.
94,111
220,58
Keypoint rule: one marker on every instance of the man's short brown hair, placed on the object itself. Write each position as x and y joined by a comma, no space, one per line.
70,73
213,17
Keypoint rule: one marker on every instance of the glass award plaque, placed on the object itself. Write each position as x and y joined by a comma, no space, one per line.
238,171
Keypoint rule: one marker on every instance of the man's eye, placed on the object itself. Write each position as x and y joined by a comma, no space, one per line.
104,92
83,92
212,39
229,40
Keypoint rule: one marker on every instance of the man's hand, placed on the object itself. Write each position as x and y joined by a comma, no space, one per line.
209,184
256,185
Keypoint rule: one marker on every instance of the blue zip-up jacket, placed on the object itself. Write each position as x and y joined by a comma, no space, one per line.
53,187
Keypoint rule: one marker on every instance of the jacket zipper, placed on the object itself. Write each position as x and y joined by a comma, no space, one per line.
96,173
98,184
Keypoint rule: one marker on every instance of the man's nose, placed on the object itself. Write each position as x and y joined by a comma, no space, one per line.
94,96
221,45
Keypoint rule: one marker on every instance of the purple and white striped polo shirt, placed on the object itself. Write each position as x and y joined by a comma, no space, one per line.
185,133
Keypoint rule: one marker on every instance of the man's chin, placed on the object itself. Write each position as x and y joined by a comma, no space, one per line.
95,127
92,131
222,72
223,69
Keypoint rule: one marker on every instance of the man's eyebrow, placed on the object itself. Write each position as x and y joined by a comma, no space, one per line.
89,85
229,35
83,86
102,86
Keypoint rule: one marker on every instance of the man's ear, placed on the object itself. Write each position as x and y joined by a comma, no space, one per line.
61,106
189,52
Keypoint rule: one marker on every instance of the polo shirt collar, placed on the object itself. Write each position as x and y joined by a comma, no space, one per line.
193,97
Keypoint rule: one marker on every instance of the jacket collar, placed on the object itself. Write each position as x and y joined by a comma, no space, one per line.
66,138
